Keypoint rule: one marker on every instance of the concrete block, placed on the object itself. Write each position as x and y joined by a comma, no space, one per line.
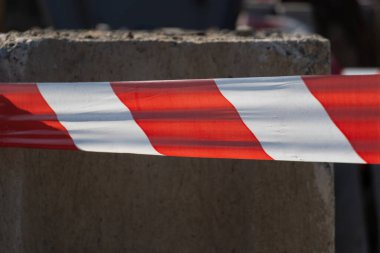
60,201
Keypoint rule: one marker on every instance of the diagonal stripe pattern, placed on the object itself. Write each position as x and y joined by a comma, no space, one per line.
298,118
95,118
189,118
289,122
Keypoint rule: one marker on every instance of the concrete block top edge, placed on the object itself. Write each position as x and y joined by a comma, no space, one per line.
163,35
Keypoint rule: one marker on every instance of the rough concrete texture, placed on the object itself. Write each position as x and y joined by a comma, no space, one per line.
59,201
120,56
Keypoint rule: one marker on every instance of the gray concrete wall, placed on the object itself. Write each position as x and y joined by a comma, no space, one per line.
59,201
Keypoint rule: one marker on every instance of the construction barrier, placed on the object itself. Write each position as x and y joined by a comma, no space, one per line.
290,118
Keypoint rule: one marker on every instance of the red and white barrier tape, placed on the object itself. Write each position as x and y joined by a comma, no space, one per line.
308,118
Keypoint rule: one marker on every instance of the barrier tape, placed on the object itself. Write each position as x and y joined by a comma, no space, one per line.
291,118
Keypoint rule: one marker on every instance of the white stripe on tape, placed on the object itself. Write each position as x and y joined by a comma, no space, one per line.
360,71
95,118
288,121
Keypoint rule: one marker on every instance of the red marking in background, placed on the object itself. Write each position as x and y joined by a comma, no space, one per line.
353,103
189,118
26,120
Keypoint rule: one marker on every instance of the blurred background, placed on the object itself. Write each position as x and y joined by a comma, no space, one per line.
352,26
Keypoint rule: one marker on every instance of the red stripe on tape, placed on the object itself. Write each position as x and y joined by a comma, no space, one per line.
26,120
353,103
189,118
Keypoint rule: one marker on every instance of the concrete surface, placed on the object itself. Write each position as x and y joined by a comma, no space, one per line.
59,201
